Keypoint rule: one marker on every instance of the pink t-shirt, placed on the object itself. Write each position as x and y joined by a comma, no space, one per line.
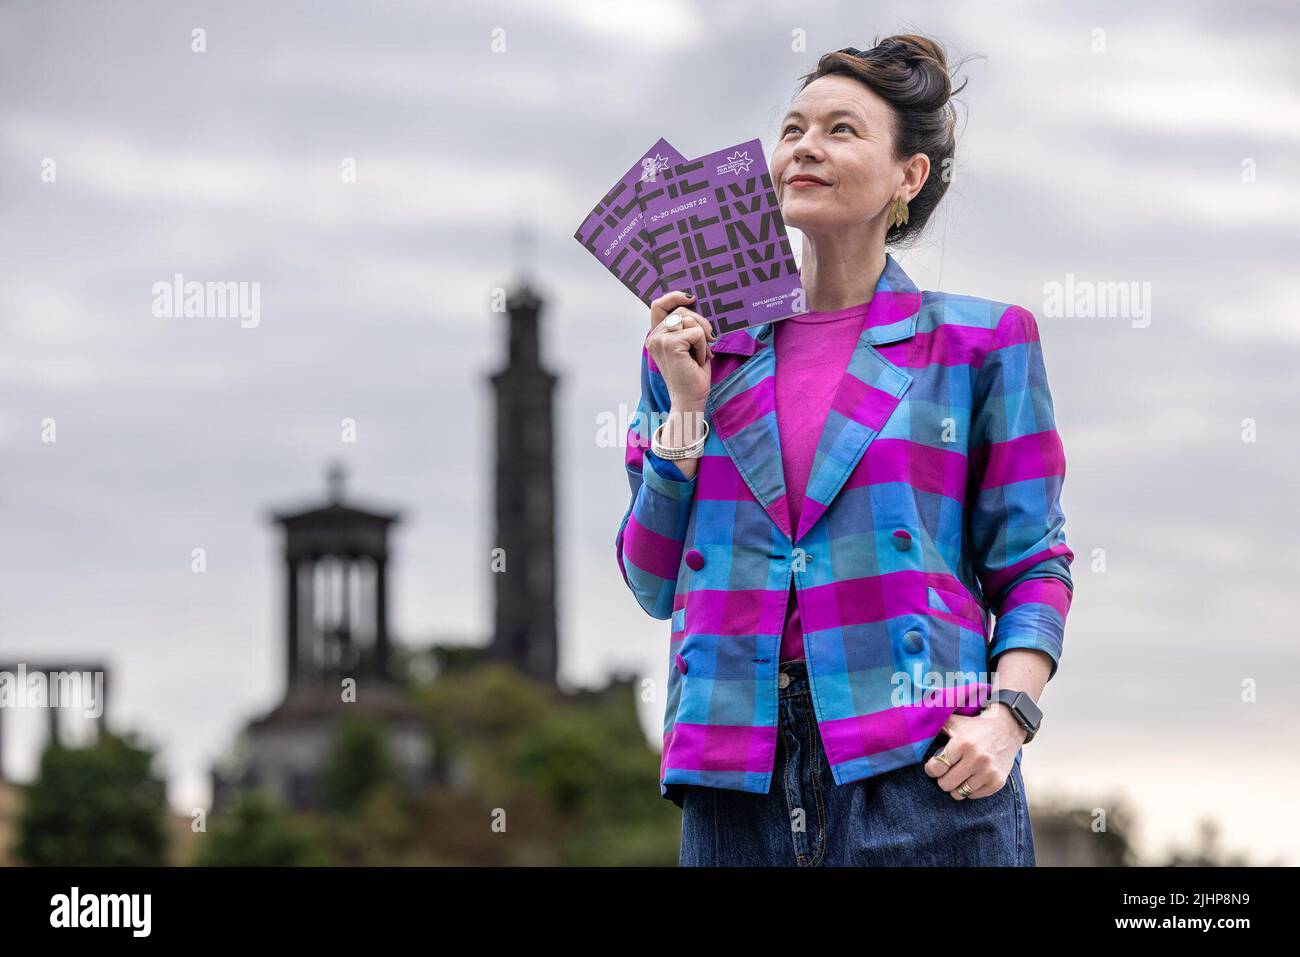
812,352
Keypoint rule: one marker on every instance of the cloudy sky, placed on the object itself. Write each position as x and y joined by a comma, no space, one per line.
1155,145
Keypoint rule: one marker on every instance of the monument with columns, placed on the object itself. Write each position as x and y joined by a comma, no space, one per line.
335,564
336,656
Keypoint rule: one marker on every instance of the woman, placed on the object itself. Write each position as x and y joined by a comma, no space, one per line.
828,508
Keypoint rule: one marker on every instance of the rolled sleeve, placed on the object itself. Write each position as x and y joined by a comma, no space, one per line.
668,478
1016,523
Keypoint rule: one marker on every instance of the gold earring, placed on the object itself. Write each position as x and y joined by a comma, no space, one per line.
898,212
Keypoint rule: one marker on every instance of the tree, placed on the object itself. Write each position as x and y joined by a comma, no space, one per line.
92,806
573,774
259,831
359,763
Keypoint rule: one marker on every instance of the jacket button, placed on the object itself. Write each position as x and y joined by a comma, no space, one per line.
694,559
902,540
913,642
680,662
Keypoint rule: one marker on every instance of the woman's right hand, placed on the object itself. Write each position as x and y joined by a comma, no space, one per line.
684,355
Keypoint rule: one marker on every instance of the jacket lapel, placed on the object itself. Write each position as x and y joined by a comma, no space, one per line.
742,408
869,392
743,405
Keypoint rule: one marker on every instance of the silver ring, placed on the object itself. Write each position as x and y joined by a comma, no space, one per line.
674,322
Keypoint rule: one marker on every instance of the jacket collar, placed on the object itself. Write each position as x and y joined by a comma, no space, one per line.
743,405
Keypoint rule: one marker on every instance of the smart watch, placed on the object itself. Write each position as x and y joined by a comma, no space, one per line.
1028,715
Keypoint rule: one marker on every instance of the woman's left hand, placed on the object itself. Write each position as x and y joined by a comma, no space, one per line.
981,749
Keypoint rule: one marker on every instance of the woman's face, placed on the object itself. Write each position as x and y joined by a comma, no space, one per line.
841,132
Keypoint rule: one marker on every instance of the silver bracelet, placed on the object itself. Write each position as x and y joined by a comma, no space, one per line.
691,451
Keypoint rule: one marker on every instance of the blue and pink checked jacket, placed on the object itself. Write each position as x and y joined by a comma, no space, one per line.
933,502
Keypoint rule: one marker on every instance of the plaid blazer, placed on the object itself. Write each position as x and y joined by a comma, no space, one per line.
933,502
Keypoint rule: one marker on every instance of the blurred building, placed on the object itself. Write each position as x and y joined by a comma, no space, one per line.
336,656
336,599
524,534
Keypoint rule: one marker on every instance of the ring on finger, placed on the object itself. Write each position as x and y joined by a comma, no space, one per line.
966,789
674,322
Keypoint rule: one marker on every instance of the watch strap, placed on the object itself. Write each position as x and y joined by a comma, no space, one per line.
1012,700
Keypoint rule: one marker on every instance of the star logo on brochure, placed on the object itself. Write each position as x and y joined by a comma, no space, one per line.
652,166
738,162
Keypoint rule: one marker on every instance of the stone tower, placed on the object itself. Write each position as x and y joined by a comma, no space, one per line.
525,631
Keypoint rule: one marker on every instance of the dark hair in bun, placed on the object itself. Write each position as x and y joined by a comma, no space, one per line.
910,73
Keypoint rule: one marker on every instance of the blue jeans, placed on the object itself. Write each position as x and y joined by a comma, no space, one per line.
899,818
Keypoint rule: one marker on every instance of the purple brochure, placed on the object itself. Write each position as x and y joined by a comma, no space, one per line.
716,230
612,231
